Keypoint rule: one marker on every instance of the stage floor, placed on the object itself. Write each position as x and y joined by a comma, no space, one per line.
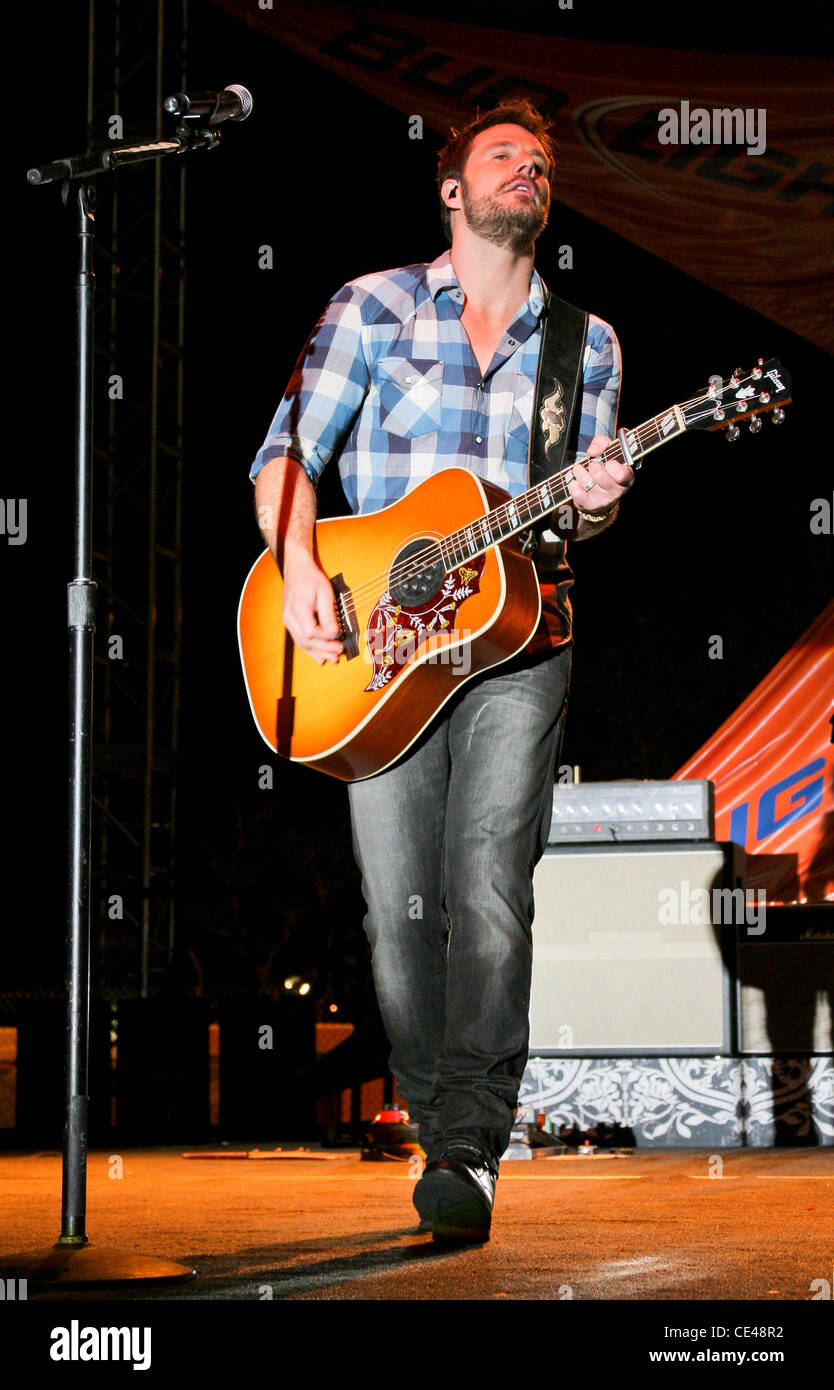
656,1225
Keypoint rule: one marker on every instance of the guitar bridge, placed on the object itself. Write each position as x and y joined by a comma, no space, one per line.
347,616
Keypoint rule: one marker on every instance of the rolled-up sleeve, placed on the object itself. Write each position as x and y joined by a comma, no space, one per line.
600,383
325,391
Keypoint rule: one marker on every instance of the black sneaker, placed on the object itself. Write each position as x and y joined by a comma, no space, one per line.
428,1137
456,1194
425,1202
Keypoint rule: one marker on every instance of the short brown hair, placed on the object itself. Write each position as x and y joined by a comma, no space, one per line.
452,158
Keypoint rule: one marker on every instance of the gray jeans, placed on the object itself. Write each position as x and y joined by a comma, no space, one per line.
446,841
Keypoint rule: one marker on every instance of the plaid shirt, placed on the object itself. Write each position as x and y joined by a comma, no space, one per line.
388,381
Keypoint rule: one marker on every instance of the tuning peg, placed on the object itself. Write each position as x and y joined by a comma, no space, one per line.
756,372
732,433
755,424
778,415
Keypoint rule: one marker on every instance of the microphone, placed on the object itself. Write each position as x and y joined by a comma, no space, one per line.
232,104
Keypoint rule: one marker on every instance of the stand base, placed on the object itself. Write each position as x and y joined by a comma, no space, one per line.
87,1266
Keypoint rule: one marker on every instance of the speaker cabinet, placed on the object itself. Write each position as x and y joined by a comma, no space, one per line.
162,1073
786,982
267,1068
41,1072
633,949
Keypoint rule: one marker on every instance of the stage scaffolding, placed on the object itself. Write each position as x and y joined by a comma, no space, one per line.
137,56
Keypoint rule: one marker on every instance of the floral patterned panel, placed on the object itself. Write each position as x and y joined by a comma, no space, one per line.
689,1101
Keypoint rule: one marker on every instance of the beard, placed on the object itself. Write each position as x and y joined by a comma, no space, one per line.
511,225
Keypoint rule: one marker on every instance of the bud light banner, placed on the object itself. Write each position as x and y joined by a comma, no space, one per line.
772,763
719,163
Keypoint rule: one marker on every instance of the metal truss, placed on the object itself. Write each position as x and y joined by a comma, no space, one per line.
137,57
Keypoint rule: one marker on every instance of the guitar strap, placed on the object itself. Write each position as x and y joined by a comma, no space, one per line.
554,424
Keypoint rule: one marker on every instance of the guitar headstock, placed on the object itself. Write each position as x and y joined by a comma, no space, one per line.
746,395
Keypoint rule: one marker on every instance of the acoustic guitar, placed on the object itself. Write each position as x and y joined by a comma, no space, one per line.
431,591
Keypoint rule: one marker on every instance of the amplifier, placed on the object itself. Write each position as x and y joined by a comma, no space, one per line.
613,974
613,812
786,982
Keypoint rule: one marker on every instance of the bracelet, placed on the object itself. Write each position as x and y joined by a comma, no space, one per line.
596,517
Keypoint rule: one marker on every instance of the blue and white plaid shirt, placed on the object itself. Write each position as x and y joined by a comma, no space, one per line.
388,382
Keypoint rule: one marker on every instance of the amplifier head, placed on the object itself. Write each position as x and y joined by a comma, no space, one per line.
617,812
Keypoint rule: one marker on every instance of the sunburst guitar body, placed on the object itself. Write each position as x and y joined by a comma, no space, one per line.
414,631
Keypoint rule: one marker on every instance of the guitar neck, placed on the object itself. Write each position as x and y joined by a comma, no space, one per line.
529,507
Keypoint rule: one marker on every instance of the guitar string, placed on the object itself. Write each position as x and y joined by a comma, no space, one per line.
415,563
434,553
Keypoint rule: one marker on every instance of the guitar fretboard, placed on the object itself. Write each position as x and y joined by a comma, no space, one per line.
529,507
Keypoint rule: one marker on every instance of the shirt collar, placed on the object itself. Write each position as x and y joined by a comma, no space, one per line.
441,276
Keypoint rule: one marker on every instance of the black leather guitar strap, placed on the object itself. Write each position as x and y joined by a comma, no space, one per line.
554,425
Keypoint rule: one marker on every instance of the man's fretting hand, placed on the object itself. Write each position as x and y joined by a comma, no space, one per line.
310,607
611,480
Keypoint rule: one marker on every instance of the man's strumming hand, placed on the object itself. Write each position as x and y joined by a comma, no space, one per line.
310,607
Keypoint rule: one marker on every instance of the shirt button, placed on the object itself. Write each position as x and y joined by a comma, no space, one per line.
511,342
478,439
409,380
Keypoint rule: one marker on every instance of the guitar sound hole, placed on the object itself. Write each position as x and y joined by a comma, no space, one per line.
412,590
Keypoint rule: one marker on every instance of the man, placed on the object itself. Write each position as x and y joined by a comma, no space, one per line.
410,371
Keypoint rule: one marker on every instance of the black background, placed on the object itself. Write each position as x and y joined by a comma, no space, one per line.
712,540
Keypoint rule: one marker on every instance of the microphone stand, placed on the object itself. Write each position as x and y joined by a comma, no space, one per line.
72,1261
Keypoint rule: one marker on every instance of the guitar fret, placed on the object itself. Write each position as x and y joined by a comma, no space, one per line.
528,507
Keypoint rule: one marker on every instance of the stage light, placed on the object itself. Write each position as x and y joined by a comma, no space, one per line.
296,984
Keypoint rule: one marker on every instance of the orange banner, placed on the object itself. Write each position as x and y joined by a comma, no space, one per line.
756,226
772,763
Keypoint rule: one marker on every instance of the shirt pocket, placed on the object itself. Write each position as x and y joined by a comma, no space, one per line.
410,395
520,418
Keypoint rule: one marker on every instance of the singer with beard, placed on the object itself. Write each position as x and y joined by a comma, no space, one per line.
410,371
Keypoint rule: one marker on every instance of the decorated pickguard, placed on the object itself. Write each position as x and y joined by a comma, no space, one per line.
395,633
